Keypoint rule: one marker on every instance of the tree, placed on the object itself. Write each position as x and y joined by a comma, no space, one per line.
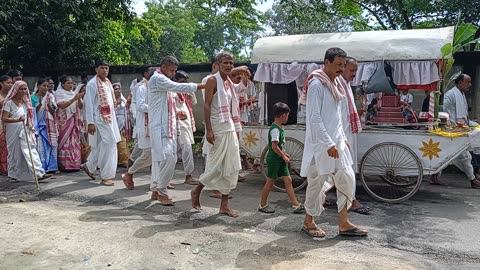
53,34
380,14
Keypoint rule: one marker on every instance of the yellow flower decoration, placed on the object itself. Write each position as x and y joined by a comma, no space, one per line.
250,138
430,149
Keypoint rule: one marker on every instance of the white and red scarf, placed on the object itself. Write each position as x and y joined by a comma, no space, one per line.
104,105
184,98
355,124
334,87
227,110
171,110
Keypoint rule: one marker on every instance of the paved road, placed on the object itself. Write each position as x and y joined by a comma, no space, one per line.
74,223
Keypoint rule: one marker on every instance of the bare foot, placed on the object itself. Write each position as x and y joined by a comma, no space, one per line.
195,200
165,200
229,212
170,186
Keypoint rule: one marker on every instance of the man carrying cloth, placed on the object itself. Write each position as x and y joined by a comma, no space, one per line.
326,151
222,119
99,106
162,125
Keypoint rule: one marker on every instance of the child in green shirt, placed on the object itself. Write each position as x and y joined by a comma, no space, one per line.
277,161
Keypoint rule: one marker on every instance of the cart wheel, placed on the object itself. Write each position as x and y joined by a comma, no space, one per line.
294,148
391,172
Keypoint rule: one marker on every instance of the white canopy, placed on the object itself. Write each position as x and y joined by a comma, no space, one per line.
393,45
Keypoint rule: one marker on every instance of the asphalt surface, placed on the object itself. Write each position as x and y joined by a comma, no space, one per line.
438,228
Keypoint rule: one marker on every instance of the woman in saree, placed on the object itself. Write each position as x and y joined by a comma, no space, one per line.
69,125
5,86
18,120
44,104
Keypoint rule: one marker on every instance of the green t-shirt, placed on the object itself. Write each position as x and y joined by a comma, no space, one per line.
279,135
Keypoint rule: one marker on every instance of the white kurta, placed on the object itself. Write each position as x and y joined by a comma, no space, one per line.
164,149
185,135
158,114
107,135
324,129
142,108
19,161
205,144
408,98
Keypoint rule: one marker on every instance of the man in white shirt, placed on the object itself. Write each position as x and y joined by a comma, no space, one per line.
143,136
326,152
186,126
99,106
162,125
455,104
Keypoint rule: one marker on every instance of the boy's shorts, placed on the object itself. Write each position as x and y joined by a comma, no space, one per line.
277,169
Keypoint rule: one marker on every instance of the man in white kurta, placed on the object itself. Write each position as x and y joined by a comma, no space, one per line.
136,151
185,128
351,127
143,136
455,104
162,125
102,127
222,119
326,152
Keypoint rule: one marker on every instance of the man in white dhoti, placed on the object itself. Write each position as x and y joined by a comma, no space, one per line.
162,125
143,134
351,126
326,151
136,151
186,127
18,120
222,119
99,106
455,104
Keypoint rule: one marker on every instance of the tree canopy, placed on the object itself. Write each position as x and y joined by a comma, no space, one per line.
346,15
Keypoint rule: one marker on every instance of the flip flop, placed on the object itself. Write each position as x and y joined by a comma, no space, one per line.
363,210
85,169
108,184
308,231
353,232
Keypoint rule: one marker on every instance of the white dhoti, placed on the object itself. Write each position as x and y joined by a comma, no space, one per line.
223,164
186,153
143,161
464,163
162,173
104,155
136,151
344,180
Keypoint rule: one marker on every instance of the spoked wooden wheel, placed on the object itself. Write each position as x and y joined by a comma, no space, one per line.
294,148
391,172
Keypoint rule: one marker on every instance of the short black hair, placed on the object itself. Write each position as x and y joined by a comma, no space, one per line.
223,54
144,69
334,52
170,60
4,78
280,109
41,81
14,73
101,62
460,78
181,75
64,78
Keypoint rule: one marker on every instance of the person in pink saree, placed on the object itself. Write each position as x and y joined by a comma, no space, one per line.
69,124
